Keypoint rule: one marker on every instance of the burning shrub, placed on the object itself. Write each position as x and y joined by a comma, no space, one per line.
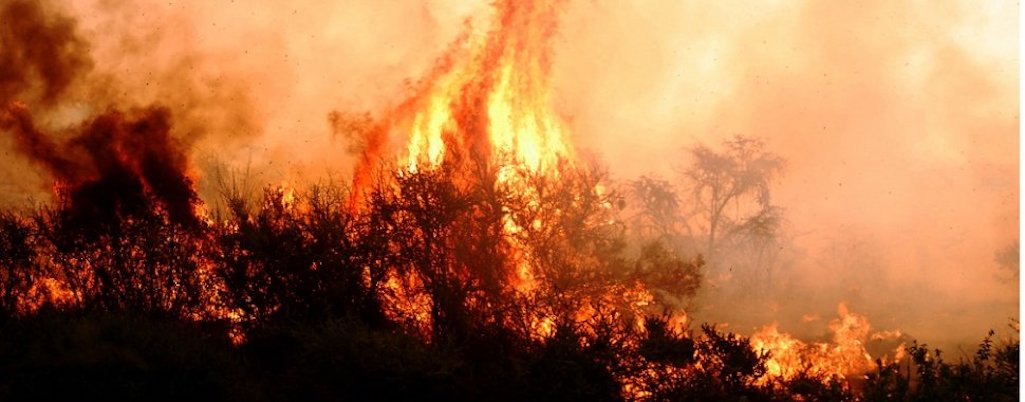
423,292
17,264
663,344
143,264
483,261
293,259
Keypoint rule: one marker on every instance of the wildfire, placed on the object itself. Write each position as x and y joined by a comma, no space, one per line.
843,357
488,99
491,97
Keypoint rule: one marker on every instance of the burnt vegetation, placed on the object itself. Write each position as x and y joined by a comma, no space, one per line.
297,296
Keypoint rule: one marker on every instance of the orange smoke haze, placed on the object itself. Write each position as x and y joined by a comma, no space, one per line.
898,120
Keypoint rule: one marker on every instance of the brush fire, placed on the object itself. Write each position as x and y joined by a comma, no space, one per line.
521,200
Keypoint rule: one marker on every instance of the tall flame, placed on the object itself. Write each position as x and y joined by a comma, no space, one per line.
490,96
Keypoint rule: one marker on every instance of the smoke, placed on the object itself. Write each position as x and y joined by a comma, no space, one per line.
40,50
111,166
88,95
898,121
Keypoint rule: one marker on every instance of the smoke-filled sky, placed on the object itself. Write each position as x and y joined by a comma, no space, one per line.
898,119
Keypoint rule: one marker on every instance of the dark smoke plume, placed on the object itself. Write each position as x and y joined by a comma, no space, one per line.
40,50
114,165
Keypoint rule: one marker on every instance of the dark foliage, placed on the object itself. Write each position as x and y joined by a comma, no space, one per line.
81,356
415,295
992,374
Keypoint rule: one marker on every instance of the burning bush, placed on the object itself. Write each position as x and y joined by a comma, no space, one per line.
484,261
425,290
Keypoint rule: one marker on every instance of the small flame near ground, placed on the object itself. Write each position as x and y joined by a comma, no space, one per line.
843,357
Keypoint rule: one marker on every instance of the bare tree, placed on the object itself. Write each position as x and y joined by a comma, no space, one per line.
658,214
730,191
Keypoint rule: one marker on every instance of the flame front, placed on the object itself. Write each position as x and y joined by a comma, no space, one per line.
843,357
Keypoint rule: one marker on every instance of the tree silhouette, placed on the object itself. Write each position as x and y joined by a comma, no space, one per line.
730,192
659,213
466,281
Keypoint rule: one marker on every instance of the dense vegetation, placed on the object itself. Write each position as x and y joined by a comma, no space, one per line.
410,290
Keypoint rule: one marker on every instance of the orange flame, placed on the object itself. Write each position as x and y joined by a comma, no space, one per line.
488,99
490,96
845,356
